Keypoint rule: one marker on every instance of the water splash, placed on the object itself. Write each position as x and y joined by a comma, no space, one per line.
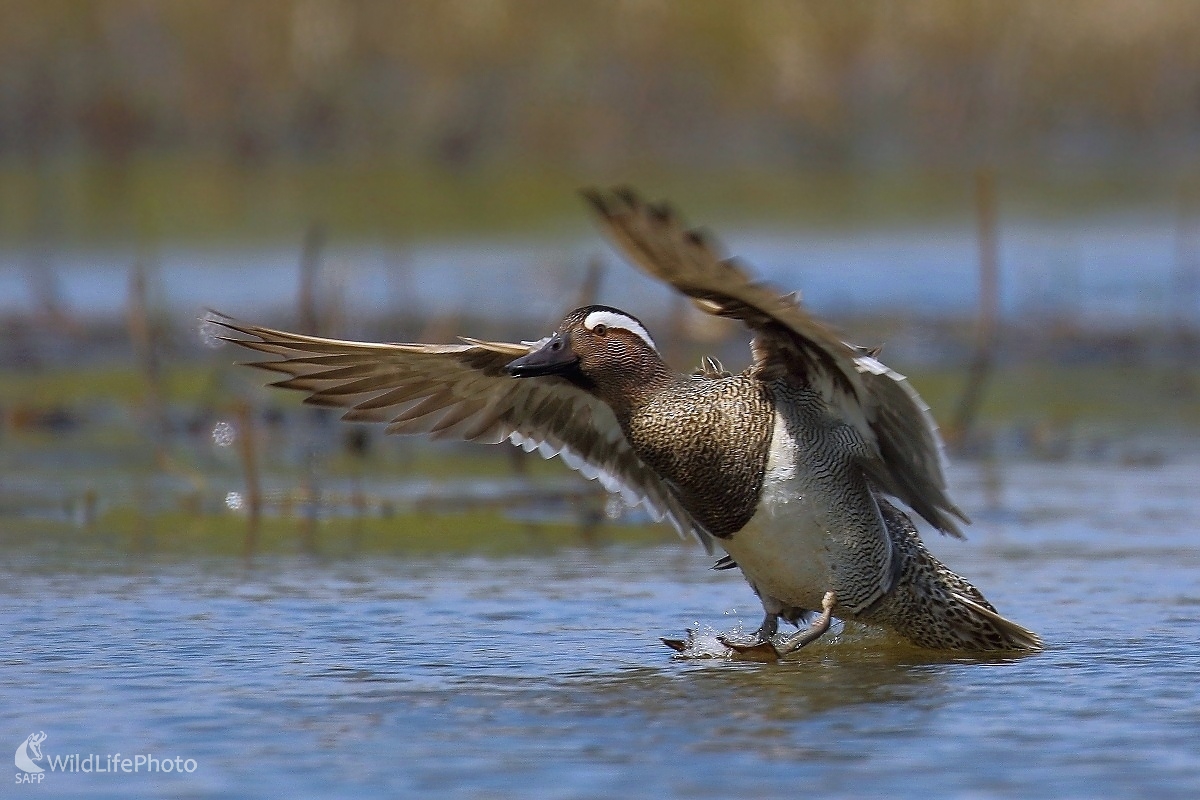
210,332
224,433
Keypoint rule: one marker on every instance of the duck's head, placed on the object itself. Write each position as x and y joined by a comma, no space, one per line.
593,346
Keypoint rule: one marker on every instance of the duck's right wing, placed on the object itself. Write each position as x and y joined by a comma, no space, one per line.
461,391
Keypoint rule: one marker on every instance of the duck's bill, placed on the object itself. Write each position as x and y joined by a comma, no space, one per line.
553,358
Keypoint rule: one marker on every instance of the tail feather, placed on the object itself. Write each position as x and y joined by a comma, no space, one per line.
933,606
1014,636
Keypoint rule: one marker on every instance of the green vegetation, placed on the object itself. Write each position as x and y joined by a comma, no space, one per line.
186,199
126,531
90,384
1125,398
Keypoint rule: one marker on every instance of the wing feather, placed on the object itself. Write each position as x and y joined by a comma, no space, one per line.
461,390
790,343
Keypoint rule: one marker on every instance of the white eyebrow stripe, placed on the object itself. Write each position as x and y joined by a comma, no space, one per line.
622,321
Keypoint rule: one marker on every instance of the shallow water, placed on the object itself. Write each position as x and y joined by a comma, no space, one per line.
1108,269
542,676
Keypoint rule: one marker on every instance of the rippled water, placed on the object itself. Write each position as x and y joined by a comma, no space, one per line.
543,676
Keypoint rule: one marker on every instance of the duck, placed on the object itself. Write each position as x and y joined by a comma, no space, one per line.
798,468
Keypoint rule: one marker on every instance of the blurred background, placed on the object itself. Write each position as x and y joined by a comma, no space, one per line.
1006,196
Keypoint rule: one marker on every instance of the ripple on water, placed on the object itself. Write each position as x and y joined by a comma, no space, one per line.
543,676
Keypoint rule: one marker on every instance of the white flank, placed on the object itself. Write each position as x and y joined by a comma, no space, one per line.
622,321
784,549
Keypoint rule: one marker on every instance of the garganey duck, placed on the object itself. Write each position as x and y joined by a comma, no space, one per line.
791,467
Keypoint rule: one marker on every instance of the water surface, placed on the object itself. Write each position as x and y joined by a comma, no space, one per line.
541,676
1102,270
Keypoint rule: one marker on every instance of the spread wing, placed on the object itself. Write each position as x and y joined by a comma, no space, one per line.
790,343
461,391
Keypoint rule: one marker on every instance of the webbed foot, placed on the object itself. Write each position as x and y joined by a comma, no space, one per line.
758,646
751,649
679,645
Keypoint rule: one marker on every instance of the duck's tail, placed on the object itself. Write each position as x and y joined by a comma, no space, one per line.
933,606
1000,633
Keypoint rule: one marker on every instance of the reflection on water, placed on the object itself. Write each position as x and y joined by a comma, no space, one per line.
542,676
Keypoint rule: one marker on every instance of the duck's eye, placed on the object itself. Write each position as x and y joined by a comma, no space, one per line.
600,329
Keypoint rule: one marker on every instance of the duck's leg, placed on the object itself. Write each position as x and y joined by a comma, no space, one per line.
814,631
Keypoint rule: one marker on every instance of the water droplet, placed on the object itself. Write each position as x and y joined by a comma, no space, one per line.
224,434
234,501
615,507
210,333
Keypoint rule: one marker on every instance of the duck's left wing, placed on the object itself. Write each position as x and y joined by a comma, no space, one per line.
789,342
690,259
909,446
462,391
